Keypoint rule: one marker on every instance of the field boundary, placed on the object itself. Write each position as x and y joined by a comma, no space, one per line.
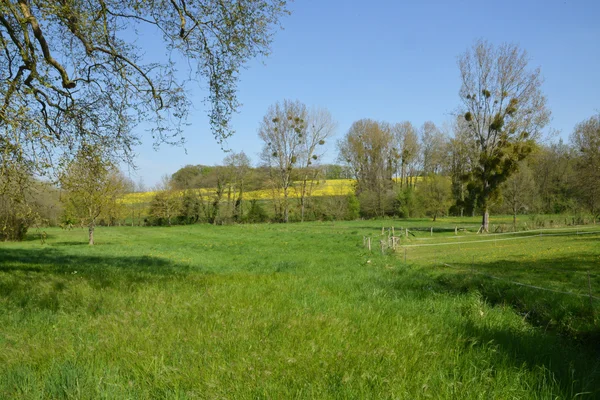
524,236
520,283
577,228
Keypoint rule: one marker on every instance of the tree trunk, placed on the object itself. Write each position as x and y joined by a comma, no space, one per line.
91,234
485,222
515,219
285,205
302,198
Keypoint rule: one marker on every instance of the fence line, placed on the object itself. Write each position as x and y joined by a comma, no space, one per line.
521,284
578,227
502,239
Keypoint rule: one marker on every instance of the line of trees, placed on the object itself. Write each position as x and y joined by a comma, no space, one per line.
400,171
488,159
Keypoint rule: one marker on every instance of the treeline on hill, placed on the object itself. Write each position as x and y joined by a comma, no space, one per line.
396,170
218,195
410,172
490,158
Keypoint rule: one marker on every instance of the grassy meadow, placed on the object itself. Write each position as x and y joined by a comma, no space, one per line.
280,311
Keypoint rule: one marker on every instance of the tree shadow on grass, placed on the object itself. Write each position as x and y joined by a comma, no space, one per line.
37,236
566,340
549,291
32,278
576,369
56,261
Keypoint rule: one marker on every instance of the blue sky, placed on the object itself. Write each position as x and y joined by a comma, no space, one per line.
395,61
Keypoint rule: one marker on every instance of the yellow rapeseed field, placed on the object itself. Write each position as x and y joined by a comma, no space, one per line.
331,187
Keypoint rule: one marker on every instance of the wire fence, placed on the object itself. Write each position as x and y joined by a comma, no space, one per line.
393,244
590,296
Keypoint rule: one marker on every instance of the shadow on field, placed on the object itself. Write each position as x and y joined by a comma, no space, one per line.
36,236
55,261
576,369
31,278
566,342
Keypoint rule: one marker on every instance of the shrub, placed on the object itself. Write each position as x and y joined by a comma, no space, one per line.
256,213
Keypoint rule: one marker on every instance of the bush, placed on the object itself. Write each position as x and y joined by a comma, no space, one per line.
256,213
353,210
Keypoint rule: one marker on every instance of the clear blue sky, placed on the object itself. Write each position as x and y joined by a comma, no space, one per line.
396,61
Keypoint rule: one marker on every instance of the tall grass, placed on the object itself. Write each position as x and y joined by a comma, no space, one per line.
261,311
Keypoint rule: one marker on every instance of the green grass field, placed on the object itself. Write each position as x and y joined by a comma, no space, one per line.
297,311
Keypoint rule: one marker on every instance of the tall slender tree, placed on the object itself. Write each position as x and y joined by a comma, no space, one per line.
282,131
320,127
504,110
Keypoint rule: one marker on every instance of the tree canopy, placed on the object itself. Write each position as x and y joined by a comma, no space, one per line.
72,74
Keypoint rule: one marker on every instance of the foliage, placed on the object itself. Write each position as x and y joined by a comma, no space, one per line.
434,195
554,171
92,187
586,139
17,212
166,204
406,202
353,207
73,75
188,176
191,207
256,213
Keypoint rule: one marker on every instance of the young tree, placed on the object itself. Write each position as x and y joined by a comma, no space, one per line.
17,208
504,109
238,167
92,185
435,195
283,131
166,204
586,138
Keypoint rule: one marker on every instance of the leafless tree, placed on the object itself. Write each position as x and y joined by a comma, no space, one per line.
320,128
282,131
